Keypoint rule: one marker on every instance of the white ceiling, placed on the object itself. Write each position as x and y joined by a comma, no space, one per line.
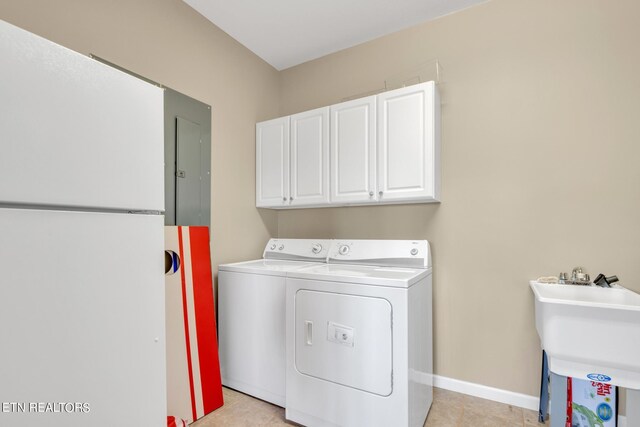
289,32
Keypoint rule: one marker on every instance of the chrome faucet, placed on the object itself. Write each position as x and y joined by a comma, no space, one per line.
578,276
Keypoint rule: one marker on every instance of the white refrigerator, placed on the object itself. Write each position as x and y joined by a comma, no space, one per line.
81,240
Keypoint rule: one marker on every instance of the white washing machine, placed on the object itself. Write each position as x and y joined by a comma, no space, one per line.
251,316
359,336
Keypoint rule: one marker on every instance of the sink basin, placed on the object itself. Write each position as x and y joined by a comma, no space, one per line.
590,332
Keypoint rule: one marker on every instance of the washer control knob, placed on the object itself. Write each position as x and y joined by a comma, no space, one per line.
316,248
344,249
281,247
414,251
273,246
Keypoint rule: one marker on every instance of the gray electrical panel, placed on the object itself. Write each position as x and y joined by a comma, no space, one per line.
187,162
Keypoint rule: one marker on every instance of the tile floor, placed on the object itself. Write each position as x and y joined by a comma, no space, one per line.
449,409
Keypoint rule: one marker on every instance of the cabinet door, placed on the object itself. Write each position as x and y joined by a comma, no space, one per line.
408,144
272,163
310,157
353,151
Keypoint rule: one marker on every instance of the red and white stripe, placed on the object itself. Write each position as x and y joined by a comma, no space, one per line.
193,367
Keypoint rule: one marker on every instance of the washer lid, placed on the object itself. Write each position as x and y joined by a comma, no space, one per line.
271,267
362,274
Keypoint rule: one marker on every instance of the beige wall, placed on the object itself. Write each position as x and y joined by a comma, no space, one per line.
540,147
540,152
168,42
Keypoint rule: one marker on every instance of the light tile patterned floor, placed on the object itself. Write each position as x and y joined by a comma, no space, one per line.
449,409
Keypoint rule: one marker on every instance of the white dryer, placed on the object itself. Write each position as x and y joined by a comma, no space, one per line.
359,336
251,316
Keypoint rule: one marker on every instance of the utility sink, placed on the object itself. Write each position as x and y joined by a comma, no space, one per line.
590,332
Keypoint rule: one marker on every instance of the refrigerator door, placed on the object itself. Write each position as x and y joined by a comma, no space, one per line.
82,315
76,132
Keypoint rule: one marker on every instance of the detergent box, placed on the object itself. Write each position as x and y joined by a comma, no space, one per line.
591,404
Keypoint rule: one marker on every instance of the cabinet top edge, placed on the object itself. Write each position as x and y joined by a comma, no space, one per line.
430,83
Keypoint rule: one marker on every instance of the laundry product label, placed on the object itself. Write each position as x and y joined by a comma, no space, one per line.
591,403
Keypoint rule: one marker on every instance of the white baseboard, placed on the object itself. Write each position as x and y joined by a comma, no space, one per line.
486,392
622,421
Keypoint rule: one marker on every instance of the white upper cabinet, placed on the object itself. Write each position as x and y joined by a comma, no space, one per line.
272,163
379,149
353,151
408,144
310,158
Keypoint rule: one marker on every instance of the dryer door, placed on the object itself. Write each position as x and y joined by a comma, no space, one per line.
345,339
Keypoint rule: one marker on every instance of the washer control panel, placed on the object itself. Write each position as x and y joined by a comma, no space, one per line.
297,249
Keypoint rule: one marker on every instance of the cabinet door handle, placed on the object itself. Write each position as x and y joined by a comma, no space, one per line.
370,193
291,198
284,199
380,193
